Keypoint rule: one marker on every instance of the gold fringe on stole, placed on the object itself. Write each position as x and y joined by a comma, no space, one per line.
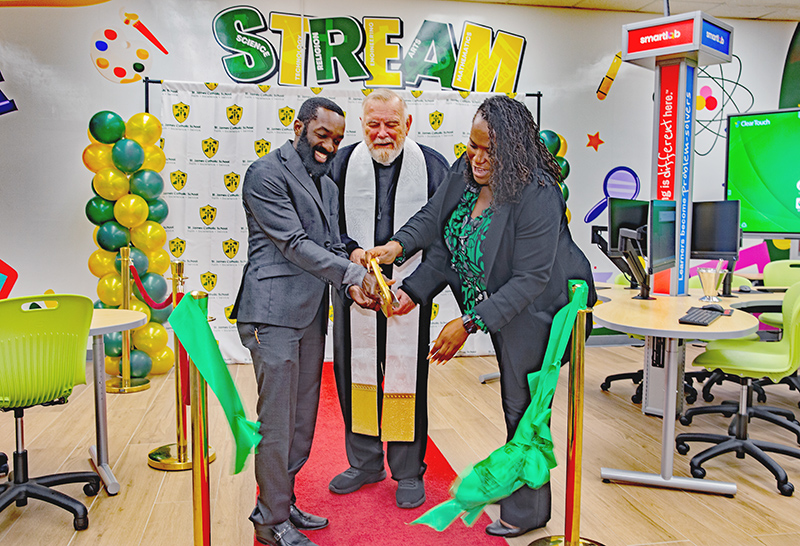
398,417
364,409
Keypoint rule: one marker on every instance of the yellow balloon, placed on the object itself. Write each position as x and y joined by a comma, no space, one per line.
159,261
162,361
94,236
50,304
112,365
138,305
131,210
111,183
101,262
97,156
562,150
109,289
144,128
151,338
569,216
782,244
148,236
91,138
154,158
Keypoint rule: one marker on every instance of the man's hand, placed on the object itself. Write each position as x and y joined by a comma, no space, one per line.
362,299
385,254
450,340
405,304
357,257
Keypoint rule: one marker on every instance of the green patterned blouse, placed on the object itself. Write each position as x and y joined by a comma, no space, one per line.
463,236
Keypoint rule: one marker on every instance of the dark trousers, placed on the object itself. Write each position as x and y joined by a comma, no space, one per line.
406,459
288,369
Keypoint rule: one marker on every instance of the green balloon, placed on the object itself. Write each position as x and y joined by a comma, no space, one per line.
564,167
551,140
159,210
140,261
107,127
564,191
147,184
98,304
160,315
113,344
141,364
99,210
112,236
155,285
127,155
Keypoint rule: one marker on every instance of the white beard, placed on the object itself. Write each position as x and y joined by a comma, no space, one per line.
386,156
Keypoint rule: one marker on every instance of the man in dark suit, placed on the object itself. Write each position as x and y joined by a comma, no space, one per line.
294,253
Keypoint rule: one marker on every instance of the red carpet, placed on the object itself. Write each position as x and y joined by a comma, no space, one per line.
370,516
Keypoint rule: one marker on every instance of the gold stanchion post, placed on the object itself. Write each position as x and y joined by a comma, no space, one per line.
176,456
572,525
201,506
126,383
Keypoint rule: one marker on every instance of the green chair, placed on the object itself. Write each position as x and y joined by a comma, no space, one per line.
779,273
42,356
750,360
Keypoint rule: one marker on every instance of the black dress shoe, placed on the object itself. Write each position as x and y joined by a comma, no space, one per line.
497,529
352,479
305,521
282,534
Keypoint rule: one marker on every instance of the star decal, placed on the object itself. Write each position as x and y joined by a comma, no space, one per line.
594,141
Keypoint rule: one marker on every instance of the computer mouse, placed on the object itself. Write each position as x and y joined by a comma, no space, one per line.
745,289
714,307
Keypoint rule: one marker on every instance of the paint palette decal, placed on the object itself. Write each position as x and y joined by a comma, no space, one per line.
118,59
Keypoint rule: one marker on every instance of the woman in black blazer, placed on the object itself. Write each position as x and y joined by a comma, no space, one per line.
496,232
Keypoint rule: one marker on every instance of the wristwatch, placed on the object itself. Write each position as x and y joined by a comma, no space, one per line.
469,324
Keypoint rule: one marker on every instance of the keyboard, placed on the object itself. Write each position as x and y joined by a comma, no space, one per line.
699,317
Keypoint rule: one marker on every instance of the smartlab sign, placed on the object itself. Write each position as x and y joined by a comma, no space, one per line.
332,48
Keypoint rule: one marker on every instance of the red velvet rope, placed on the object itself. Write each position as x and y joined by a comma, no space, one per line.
145,296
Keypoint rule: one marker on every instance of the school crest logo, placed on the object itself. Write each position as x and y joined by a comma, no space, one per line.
436,118
511,95
161,143
230,248
178,179
234,114
208,280
211,86
210,147
180,111
459,149
286,115
316,90
231,181
416,93
208,214
177,246
264,88
464,94
262,147
366,91
228,310
434,310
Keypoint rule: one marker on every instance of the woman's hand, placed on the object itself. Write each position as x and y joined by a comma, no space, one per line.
385,254
364,301
450,340
404,303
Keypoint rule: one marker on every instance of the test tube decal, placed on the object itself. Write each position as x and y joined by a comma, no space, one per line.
133,20
608,79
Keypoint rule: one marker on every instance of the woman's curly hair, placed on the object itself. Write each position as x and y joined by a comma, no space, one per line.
515,149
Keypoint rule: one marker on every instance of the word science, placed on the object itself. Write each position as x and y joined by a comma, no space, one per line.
366,51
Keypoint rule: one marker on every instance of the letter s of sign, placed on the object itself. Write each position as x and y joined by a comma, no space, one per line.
253,59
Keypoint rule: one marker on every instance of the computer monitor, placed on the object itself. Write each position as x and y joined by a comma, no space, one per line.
661,236
624,214
762,172
715,230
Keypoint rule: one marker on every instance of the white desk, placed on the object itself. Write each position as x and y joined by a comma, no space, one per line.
106,321
659,319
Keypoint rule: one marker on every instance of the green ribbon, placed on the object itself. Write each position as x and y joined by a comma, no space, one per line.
528,457
189,321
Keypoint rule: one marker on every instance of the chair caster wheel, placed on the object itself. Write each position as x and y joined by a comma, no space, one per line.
636,398
761,398
708,397
605,386
80,523
786,489
686,419
698,473
683,448
691,398
91,489
605,480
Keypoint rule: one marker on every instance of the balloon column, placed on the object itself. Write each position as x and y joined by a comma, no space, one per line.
557,146
127,209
